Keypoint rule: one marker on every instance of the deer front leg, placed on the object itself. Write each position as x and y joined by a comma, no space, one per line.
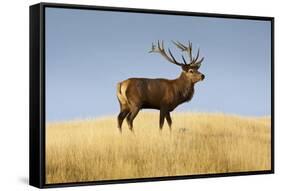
162,117
169,120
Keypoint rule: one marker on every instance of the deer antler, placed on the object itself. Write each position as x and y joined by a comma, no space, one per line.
161,49
188,50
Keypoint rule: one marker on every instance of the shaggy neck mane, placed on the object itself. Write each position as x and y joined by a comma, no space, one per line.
184,88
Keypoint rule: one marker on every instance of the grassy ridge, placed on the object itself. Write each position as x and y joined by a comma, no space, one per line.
199,143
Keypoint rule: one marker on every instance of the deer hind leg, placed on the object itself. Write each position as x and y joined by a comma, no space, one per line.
131,116
124,109
169,120
121,117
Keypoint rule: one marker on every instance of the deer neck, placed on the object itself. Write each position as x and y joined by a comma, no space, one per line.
184,88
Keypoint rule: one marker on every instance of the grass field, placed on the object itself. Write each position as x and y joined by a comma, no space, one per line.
199,143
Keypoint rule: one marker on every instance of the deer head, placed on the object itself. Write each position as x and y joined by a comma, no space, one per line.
190,69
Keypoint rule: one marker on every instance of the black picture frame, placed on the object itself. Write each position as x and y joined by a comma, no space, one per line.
37,94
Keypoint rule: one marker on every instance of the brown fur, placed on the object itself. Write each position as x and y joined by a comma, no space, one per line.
162,94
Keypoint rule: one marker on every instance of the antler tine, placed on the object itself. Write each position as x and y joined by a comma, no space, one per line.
179,45
184,47
190,50
198,64
161,49
184,60
175,62
190,44
152,48
197,56
158,43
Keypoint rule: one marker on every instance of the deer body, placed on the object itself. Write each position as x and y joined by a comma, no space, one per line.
155,93
165,95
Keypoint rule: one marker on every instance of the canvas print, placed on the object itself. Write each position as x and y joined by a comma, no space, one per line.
140,95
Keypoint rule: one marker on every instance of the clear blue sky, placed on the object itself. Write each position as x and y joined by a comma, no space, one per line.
88,52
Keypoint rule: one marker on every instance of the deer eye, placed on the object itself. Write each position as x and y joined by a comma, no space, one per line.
190,70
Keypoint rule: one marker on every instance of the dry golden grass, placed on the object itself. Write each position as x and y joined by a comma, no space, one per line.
199,143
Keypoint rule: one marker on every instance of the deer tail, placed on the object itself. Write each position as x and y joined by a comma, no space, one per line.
118,88
121,94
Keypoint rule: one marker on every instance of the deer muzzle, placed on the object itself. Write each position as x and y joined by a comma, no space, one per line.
202,77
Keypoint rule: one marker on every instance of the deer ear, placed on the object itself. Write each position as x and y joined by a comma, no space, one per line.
190,70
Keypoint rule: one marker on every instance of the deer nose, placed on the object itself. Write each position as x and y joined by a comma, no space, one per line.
202,76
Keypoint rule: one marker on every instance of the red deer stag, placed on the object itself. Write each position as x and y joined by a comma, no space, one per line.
162,94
